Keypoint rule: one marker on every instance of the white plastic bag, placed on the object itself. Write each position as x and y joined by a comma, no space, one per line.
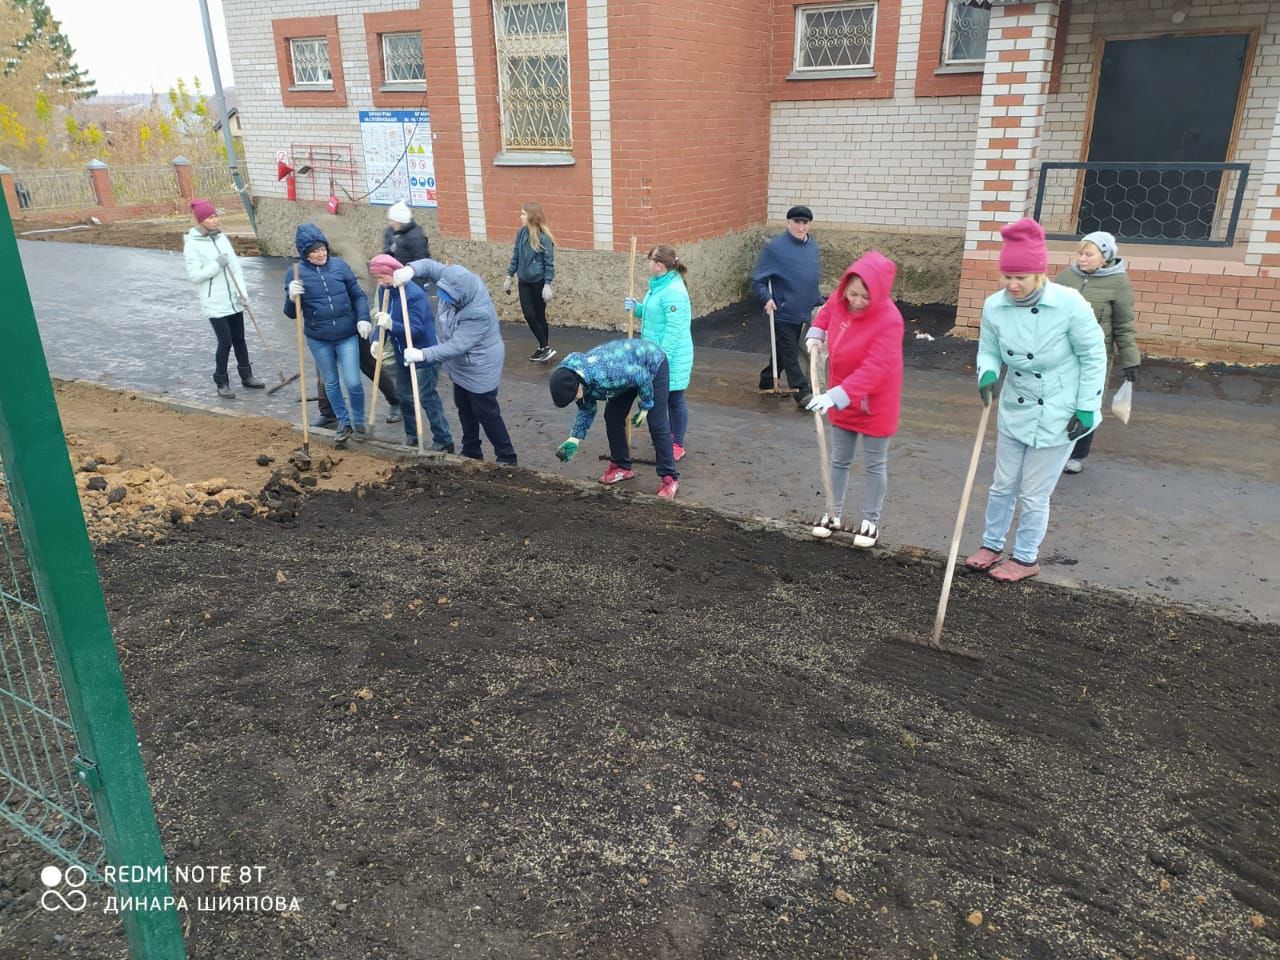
1122,402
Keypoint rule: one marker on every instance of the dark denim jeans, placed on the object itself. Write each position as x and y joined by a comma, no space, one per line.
432,405
481,409
616,410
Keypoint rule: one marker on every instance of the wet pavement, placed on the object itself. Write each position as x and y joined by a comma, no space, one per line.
1182,503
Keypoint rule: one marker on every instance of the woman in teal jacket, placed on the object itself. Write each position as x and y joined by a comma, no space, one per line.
666,318
1046,338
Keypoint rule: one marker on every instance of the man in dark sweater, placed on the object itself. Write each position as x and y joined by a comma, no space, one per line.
786,281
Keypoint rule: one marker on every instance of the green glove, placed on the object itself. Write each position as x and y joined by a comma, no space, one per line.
567,449
1080,423
986,386
638,418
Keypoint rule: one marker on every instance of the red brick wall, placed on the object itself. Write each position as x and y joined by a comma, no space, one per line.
441,68
782,44
1210,309
375,25
287,29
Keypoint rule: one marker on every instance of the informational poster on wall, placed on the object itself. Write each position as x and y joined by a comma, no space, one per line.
397,157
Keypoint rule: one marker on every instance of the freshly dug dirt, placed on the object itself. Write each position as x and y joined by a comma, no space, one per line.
477,714
152,234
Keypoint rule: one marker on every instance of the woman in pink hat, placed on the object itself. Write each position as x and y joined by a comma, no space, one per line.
1045,337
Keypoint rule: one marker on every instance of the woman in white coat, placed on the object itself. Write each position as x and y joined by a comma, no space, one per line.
213,267
1046,338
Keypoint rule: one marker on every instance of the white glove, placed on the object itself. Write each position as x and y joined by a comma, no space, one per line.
223,259
375,349
383,320
296,289
364,328
546,292
811,344
402,276
506,286
629,304
821,403
413,355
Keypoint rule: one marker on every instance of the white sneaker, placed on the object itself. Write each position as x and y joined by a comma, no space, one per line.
829,523
1073,466
867,535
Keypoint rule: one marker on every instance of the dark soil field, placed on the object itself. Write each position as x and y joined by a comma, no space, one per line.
474,714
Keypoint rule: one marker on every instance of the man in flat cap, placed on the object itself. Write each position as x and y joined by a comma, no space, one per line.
786,281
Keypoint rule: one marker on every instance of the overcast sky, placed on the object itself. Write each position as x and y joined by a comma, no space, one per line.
139,45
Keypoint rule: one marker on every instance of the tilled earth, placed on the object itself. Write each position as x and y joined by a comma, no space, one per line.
474,713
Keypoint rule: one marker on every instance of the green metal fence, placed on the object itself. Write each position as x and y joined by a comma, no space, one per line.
71,774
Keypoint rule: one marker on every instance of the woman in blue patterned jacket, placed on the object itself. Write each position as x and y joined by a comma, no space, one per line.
619,372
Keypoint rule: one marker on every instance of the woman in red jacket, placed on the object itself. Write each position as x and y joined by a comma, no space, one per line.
863,332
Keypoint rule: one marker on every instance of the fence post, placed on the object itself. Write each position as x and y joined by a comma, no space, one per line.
43,494
100,177
10,188
186,182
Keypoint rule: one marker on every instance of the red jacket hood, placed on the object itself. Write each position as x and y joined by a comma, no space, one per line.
877,272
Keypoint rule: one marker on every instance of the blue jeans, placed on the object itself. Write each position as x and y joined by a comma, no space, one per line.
340,359
678,410
432,406
481,409
616,410
1025,477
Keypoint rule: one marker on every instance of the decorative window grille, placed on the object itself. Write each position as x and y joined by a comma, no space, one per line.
402,58
966,33
533,74
835,37
310,58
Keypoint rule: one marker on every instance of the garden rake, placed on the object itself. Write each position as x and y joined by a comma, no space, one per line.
384,302
284,381
820,530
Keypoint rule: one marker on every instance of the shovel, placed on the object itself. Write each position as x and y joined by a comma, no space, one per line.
815,368
302,384
384,303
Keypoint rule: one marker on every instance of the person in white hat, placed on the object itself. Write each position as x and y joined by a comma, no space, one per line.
404,239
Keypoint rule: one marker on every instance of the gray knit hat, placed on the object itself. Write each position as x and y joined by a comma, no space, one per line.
1105,243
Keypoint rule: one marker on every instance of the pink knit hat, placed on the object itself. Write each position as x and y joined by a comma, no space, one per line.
202,210
1024,250
383,265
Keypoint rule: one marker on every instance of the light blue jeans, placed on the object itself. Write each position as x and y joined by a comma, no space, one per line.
875,456
1024,477
339,364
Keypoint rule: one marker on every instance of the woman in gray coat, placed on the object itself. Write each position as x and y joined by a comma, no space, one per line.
471,350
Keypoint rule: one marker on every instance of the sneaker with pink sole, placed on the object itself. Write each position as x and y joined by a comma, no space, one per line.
616,474
678,451
669,487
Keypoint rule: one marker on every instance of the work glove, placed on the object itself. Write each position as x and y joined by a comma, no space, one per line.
1131,374
821,403
546,293
629,304
506,285
223,260
375,349
402,276
296,289
364,328
811,344
383,320
1081,422
413,355
639,417
986,386
566,450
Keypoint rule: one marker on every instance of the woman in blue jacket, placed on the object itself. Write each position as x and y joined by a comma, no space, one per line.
1046,338
335,315
533,264
666,318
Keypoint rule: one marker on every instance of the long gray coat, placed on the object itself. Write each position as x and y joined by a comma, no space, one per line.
470,347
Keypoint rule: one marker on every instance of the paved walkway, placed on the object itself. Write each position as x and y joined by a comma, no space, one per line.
1183,503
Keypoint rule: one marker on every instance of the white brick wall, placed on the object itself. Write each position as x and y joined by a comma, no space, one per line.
267,124
898,163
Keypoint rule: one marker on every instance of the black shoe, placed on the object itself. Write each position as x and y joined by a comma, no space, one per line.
536,355
543,355
802,401
324,423
343,435
224,389
394,415
249,380
447,448
513,462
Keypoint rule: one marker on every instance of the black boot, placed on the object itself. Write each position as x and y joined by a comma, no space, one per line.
248,379
223,384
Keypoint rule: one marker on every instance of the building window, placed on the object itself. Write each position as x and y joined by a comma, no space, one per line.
835,37
533,74
966,37
402,58
310,59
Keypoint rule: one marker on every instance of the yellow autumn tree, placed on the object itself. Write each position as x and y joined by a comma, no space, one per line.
29,98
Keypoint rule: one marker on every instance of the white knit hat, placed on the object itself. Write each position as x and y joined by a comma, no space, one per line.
399,213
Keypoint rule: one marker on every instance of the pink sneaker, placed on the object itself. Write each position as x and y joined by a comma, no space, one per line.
678,451
669,487
616,474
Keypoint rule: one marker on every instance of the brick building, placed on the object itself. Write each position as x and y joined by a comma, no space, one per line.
919,126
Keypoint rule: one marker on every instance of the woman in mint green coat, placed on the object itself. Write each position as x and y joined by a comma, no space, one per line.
666,318
1046,338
